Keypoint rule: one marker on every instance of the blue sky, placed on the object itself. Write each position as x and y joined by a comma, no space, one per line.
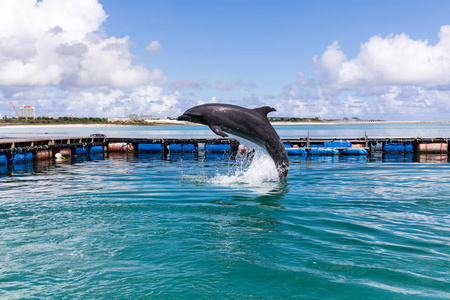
371,59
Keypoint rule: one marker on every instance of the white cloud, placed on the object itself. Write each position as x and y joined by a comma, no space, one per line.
152,100
61,44
394,60
106,103
389,103
154,46
54,55
392,78
115,103
354,107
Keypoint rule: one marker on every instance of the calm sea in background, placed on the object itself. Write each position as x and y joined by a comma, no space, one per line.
203,227
286,131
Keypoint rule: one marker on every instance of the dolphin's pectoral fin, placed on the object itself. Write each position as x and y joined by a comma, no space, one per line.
264,110
217,130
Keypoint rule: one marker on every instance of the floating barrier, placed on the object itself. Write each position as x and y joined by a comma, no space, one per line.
96,149
43,154
190,148
80,151
217,148
29,156
176,148
41,149
323,151
398,148
16,158
357,146
432,148
183,148
120,147
150,148
337,144
66,152
354,151
297,151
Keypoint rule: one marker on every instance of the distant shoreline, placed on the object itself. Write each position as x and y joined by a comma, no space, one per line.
183,123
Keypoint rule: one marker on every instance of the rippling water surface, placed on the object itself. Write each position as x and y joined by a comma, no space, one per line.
189,227
209,227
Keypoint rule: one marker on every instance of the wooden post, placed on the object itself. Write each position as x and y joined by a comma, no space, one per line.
366,139
307,140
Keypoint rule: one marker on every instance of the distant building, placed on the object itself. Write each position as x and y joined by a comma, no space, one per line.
133,116
27,111
147,117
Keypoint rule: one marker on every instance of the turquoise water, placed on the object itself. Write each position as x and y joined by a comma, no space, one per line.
189,227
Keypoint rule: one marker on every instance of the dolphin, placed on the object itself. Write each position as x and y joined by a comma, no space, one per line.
250,124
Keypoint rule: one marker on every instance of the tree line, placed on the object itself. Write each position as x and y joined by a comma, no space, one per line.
60,120
69,120
288,119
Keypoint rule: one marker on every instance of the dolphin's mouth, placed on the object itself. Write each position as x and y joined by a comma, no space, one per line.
184,117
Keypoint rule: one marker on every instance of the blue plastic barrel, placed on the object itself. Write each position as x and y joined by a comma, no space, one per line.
16,158
29,156
217,148
296,151
323,151
398,148
152,148
183,147
3,159
80,151
176,148
96,149
337,144
409,148
354,151
189,147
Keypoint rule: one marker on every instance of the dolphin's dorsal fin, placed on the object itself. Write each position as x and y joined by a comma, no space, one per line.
264,110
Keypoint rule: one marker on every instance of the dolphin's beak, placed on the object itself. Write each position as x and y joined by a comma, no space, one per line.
184,117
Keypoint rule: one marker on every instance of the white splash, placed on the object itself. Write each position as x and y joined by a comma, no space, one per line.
254,171
260,171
